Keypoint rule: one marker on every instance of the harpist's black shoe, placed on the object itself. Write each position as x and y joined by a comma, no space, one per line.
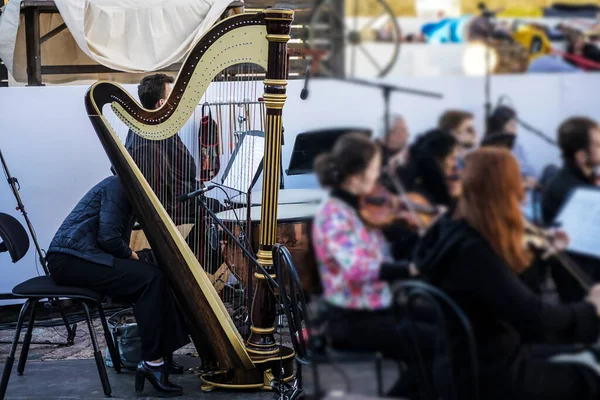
158,377
172,367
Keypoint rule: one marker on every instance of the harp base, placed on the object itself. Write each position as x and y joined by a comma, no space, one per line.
266,370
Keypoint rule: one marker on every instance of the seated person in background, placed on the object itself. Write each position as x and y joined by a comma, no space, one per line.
504,121
475,256
581,53
394,158
579,142
170,169
353,259
167,164
432,169
91,250
393,143
461,125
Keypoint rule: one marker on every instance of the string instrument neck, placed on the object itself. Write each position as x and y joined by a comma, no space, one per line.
542,240
381,209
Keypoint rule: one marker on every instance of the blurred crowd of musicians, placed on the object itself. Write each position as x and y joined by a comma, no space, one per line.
459,224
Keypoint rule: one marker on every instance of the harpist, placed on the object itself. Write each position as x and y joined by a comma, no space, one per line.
91,250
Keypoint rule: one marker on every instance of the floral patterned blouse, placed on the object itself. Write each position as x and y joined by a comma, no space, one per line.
350,255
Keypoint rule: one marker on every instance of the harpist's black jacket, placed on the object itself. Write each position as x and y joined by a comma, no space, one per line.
99,227
506,316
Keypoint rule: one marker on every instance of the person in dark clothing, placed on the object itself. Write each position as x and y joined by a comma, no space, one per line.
461,125
91,250
167,164
579,49
579,141
475,255
432,173
503,121
393,142
432,169
171,171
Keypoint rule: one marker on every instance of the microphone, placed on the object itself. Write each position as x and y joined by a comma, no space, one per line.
195,193
304,92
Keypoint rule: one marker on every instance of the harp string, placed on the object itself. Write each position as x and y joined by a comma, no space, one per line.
170,164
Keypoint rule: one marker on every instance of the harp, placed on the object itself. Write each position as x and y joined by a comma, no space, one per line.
243,40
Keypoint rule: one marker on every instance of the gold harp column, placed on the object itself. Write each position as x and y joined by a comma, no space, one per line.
261,341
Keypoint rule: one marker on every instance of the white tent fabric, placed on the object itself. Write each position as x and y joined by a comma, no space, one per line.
132,36
9,26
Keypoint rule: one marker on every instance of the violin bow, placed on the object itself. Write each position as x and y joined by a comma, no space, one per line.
402,191
575,270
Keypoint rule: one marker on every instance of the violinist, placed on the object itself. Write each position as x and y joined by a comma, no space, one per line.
393,142
475,255
432,169
403,236
504,121
461,125
353,258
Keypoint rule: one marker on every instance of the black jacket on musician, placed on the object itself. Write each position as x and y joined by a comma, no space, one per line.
169,168
554,197
506,318
99,227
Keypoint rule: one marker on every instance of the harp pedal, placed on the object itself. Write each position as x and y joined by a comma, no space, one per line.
268,378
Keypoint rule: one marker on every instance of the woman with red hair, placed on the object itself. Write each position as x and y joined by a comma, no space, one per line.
476,256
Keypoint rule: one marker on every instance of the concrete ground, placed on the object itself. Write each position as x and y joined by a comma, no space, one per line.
69,372
78,379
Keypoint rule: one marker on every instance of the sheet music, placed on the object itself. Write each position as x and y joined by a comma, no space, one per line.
245,161
580,219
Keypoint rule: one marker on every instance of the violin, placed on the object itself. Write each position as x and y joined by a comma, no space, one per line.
380,209
545,241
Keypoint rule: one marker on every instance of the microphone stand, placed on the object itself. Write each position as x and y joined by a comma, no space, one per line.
487,86
15,186
488,15
387,90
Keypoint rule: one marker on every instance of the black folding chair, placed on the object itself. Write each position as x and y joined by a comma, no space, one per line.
418,304
310,350
16,242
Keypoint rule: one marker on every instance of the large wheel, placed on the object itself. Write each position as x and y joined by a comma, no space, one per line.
355,42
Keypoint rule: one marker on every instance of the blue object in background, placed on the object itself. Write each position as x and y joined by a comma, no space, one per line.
448,30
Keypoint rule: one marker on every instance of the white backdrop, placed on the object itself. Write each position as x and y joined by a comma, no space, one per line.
50,146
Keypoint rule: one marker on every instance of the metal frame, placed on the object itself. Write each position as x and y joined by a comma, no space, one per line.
29,307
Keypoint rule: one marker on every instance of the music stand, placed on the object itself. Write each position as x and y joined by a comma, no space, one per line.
251,146
579,217
309,145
